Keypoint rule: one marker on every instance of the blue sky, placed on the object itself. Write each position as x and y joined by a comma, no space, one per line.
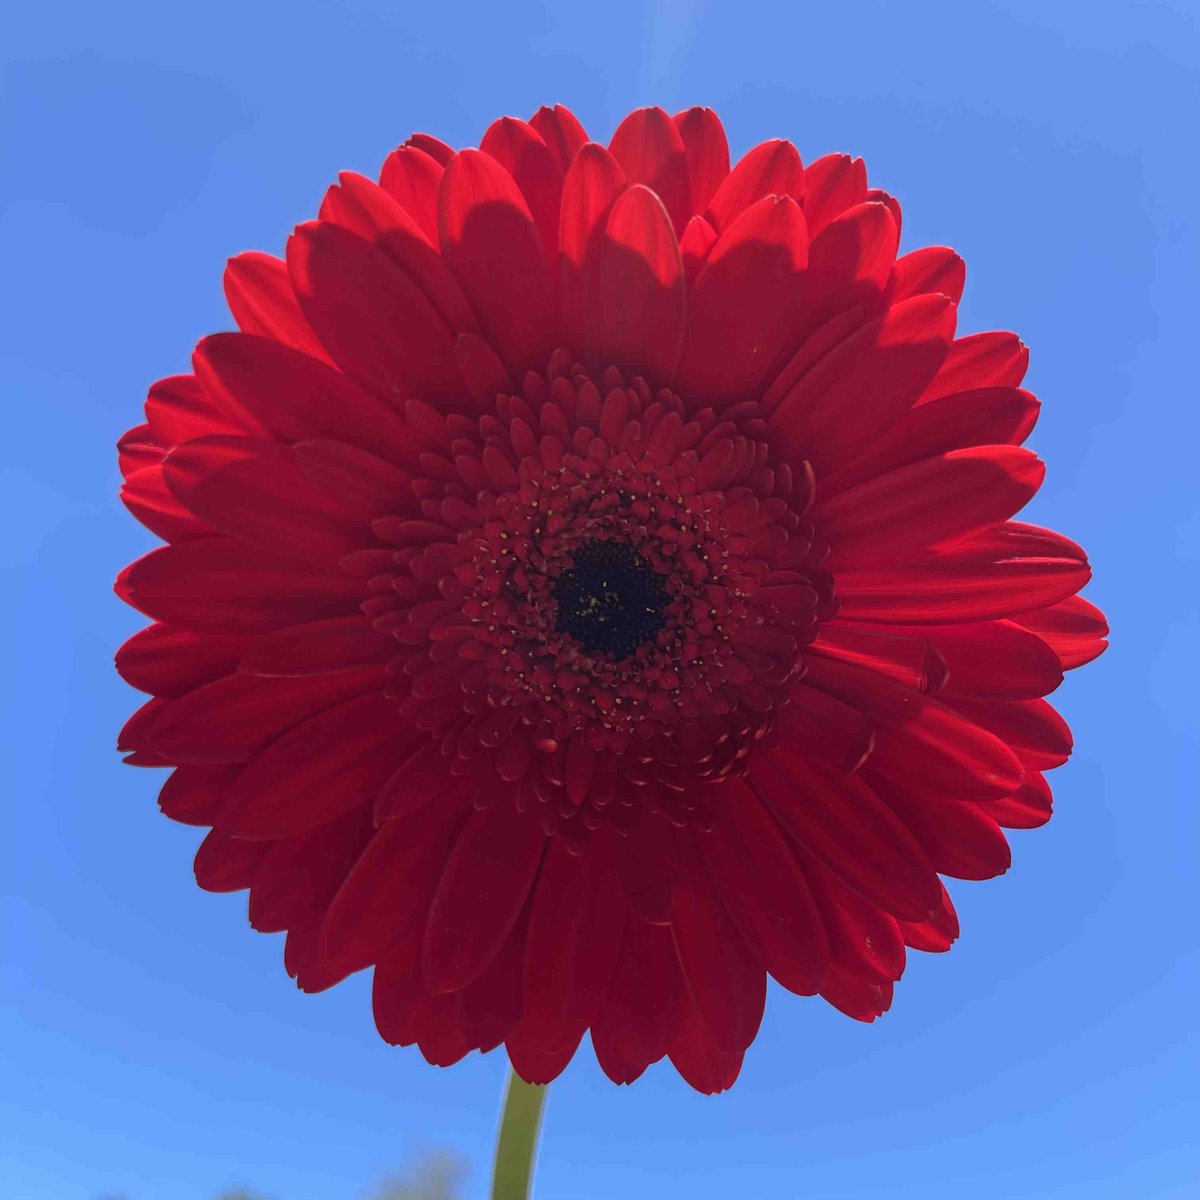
153,1045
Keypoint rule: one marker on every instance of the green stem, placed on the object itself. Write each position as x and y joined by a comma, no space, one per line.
517,1143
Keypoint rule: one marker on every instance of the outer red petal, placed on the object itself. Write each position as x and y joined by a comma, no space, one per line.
480,895
744,303
413,179
642,1006
562,133
726,985
770,169
832,185
327,765
493,247
985,417
577,920
843,822
260,296
216,583
374,320
523,153
167,661
958,587
650,150
767,894
864,384
977,361
927,506
634,288
707,153
931,269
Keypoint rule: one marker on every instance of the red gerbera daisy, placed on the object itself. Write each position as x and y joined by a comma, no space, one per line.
591,587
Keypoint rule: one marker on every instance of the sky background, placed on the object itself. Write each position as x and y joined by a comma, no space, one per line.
152,1044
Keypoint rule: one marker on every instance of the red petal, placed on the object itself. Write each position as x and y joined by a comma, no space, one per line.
650,150
726,985
1015,539
225,864
905,515
489,1006
936,935
932,269
292,397
361,483
744,303
575,927
1073,628
996,660
633,281
695,246
832,185
533,1062
862,999
863,939
1034,730
480,894
987,417
961,839
1029,807
863,384
919,736
842,822
648,860
334,761
590,190
434,147
849,264
422,774
811,350
319,647
770,169
879,196
978,361
493,247
903,654
379,912
412,178
766,892
166,661
216,582
523,153
481,370
707,153
146,495
957,589
396,994
835,734
641,1008
365,209
260,296
138,449
179,409
298,876
257,492
697,1054
192,795
374,320
561,131
231,719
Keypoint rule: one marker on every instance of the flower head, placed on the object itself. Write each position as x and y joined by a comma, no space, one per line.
592,587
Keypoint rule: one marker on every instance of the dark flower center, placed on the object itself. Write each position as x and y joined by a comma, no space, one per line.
611,600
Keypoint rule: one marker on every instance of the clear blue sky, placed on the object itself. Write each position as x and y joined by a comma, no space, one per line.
153,1045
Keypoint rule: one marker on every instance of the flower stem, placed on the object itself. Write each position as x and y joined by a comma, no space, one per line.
517,1143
